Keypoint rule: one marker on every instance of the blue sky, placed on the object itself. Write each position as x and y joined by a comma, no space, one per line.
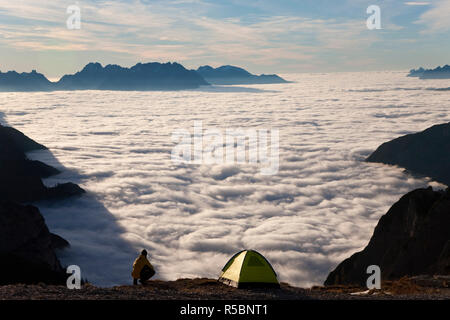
263,36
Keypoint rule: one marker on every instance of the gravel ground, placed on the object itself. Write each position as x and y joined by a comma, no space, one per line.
208,289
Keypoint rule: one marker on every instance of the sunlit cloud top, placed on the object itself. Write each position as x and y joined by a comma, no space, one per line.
417,3
264,36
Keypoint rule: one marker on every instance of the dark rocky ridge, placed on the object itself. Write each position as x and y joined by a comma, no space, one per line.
412,238
417,288
27,248
230,75
20,177
426,153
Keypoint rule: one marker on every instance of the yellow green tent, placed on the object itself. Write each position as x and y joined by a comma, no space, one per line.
249,268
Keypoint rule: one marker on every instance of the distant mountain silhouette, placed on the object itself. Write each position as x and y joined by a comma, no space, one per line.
148,76
229,75
437,73
32,81
141,77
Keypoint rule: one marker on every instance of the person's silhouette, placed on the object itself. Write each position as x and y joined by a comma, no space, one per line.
142,269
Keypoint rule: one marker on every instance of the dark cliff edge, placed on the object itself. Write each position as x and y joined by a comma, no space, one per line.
21,178
27,248
231,75
426,153
412,238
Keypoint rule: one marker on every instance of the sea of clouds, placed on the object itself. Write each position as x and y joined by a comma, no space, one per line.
320,207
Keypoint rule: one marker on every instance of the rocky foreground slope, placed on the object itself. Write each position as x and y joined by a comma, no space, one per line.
420,288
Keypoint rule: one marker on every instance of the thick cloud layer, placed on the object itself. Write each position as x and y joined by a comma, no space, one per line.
321,206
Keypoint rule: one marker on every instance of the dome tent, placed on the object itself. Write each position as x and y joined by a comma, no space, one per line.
248,268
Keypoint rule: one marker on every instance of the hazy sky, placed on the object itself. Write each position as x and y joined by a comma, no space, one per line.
264,36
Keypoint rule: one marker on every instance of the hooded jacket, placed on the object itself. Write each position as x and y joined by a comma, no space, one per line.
138,264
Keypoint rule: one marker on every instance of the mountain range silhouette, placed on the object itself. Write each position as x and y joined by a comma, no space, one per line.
140,77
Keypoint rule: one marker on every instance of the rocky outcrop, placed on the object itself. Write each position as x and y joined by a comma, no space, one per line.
412,238
27,247
18,140
426,153
230,75
21,178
